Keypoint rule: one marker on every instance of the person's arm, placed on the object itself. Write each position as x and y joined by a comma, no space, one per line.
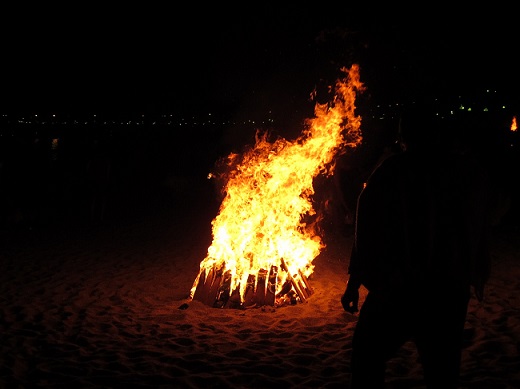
350,298
370,233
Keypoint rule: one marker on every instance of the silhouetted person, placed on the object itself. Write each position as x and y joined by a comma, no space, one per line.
419,247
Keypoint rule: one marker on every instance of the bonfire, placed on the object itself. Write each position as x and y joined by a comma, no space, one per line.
265,236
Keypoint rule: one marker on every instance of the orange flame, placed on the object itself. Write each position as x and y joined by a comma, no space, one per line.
514,127
268,196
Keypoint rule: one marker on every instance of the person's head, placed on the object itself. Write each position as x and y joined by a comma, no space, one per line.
419,127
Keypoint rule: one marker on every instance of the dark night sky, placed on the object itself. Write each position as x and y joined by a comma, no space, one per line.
196,58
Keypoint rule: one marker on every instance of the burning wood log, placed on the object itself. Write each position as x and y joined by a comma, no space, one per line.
270,296
299,283
201,286
249,298
215,289
223,293
260,288
233,301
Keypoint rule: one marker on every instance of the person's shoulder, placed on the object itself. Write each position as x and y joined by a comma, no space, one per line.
387,169
392,162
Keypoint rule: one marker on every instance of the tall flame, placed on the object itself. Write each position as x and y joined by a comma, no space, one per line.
265,217
514,126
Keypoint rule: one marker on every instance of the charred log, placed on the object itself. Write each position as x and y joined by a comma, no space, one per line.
214,289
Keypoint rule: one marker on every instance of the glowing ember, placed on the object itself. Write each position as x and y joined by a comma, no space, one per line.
514,127
264,237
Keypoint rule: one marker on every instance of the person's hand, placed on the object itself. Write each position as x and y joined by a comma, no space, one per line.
350,298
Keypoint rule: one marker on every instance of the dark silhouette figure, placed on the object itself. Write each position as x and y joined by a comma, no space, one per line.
420,246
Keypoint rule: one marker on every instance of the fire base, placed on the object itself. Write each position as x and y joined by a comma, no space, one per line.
213,289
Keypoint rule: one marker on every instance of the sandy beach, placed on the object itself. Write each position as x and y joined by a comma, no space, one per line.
97,306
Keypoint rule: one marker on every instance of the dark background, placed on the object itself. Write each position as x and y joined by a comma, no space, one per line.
104,80
230,59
